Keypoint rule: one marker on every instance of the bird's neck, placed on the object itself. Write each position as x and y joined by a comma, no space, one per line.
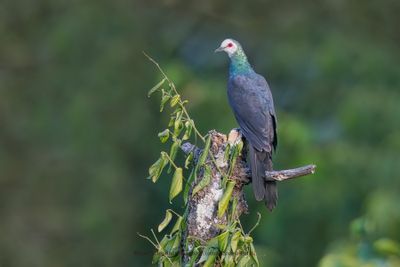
239,64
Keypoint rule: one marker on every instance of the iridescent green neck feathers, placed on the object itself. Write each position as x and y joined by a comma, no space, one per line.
239,64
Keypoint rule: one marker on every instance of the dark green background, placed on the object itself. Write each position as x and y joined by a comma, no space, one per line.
77,131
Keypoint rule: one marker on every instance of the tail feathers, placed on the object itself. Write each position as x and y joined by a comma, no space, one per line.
257,174
271,195
267,191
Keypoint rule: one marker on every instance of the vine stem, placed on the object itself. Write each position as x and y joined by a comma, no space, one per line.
170,160
257,223
172,85
158,246
148,239
171,210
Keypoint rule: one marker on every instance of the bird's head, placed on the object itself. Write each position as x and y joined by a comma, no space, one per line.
229,46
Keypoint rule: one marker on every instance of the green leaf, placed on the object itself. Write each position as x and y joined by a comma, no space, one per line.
188,160
229,261
164,99
171,121
156,169
165,245
176,186
204,256
155,87
164,242
239,147
176,261
220,226
245,261
223,203
178,124
172,154
164,135
227,152
165,222
204,181
248,239
169,245
188,184
235,240
166,262
177,225
223,241
177,110
206,149
174,100
156,257
188,126
175,246
208,256
213,242
253,254
210,250
236,152
153,170
234,207
193,257
211,259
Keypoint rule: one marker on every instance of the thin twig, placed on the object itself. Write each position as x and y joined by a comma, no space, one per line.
172,85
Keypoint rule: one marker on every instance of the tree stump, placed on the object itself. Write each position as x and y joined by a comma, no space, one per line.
203,222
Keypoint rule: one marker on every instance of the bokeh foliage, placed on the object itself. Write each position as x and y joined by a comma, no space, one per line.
76,127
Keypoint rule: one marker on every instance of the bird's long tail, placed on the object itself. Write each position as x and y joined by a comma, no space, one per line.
261,161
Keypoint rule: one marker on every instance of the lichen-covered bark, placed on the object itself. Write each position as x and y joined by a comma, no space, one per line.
202,223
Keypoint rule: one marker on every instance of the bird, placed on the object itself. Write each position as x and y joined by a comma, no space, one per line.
251,100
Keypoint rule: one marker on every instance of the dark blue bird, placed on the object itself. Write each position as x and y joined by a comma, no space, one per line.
251,101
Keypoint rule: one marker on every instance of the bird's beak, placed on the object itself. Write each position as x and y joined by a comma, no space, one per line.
219,49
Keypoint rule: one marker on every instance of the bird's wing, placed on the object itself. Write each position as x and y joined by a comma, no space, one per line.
252,104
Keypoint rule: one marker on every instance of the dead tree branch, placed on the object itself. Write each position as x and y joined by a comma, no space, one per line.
290,173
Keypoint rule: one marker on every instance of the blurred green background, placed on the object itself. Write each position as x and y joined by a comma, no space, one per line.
77,131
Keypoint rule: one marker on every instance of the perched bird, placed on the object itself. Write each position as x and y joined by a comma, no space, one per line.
251,101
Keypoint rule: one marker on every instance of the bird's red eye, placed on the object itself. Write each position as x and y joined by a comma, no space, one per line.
230,45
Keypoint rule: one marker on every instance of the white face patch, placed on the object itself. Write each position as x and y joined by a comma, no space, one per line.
229,46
